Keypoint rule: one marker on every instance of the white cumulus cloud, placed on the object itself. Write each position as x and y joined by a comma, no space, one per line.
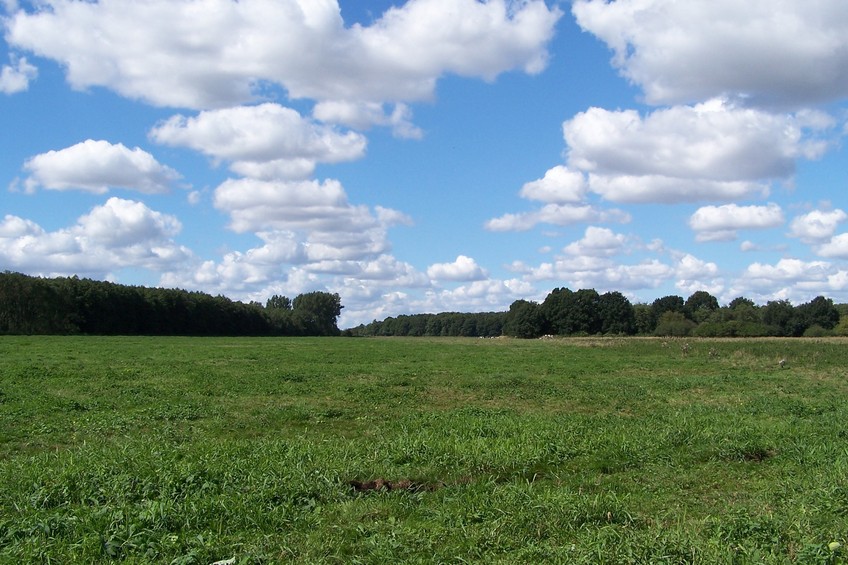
218,53
558,186
97,166
712,223
837,247
463,269
117,234
266,141
599,242
779,52
816,226
686,153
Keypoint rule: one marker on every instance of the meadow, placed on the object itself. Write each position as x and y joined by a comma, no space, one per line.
423,450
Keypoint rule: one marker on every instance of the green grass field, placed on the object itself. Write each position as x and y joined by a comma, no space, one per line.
195,450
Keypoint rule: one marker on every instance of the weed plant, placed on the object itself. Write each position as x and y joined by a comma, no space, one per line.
417,450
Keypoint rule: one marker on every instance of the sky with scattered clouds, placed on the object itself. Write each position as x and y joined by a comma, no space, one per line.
428,155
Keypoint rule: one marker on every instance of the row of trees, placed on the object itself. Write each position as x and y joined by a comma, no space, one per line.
33,305
446,324
585,312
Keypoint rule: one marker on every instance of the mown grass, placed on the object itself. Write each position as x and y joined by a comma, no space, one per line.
181,450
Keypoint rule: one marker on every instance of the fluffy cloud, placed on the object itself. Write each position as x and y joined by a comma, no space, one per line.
463,269
597,242
686,51
218,53
120,233
97,166
716,223
687,153
329,227
816,226
267,141
837,247
17,76
558,186
791,279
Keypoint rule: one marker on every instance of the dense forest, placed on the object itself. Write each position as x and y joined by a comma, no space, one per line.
33,305
585,312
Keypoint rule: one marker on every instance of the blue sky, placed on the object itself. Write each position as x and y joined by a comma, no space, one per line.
429,155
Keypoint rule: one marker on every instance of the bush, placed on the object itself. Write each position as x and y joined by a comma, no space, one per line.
817,331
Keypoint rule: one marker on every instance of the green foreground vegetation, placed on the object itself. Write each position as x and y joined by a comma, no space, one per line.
331,450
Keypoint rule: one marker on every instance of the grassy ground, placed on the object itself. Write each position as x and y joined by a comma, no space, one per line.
180,450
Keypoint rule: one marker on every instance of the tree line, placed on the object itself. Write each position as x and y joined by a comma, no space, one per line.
445,324
586,312
70,305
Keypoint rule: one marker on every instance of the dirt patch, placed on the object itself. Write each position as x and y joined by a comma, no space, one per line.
408,485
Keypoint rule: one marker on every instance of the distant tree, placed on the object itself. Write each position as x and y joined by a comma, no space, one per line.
670,303
820,311
741,301
674,324
279,302
555,311
700,305
616,314
778,314
643,319
317,313
568,313
523,320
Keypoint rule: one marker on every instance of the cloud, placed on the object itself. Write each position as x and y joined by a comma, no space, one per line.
785,271
711,151
597,242
267,141
118,234
791,279
693,274
329,227
686,51
16,77
556,214
97,166
558,186
837,247
816,226
720,223
218,53
364,115
463,269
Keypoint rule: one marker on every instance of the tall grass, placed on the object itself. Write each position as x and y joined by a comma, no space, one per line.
179,450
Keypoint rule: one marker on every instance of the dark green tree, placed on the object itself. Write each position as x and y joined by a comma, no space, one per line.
616,313
670,303
778,314
523,320
317,313
700,306
279,302
643,319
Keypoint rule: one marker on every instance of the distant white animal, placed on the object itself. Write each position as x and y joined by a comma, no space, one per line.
782,363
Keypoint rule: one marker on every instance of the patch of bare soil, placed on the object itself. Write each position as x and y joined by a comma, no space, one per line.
376,485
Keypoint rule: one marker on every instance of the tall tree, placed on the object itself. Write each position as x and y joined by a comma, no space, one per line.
616,313
700,306
524,320
317,312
